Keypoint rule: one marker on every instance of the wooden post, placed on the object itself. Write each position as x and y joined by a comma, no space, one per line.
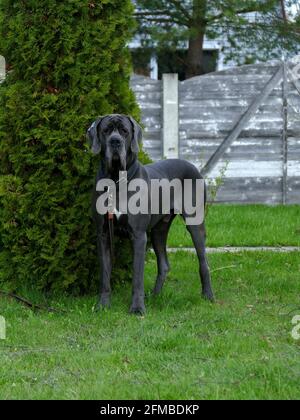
2,68
170,116
2,328
285,135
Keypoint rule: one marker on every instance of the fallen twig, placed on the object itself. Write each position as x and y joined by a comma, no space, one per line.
29,304
224,268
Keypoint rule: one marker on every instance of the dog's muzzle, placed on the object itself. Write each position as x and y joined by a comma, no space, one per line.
115,143
116,153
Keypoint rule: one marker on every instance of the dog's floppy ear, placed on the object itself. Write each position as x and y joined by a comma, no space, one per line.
92,135
136,136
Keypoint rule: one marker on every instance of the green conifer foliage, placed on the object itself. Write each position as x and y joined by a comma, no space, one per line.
67,63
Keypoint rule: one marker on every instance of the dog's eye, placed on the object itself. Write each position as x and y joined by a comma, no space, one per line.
123,131
106,130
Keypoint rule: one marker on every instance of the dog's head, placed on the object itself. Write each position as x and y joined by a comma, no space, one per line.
117,138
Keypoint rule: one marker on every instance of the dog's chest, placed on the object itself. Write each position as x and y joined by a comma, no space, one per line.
118,215
121,226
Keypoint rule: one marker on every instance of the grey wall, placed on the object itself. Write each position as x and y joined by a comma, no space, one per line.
263,163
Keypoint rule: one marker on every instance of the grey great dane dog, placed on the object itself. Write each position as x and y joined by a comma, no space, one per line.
116,138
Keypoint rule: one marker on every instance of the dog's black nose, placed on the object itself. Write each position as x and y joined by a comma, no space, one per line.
115,142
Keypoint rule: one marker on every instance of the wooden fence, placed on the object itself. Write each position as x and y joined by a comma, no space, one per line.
241,124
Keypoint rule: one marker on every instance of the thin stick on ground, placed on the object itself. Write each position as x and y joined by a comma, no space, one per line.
224,268
29,304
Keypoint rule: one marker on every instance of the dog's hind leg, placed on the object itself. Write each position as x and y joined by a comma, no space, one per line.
159,236
198,235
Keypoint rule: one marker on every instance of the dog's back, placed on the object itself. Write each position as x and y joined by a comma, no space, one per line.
172,169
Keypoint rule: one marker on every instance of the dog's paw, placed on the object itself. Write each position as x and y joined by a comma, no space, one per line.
138,309
103,304
101,308
157,291
158,288
208,295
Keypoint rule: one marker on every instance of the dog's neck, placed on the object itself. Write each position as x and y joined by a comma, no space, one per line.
131,170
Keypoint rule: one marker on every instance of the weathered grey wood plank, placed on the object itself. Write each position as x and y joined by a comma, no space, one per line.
252,190
293,190
257,69
231,79
230,115
259,129
293,149
253,153
223,101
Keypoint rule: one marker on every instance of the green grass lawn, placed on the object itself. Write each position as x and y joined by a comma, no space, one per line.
184,348
255,225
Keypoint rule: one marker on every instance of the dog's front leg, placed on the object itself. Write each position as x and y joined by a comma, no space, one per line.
139,253
105,269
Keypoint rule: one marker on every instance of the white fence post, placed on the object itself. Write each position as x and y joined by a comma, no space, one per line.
2,68
2,328
170,116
